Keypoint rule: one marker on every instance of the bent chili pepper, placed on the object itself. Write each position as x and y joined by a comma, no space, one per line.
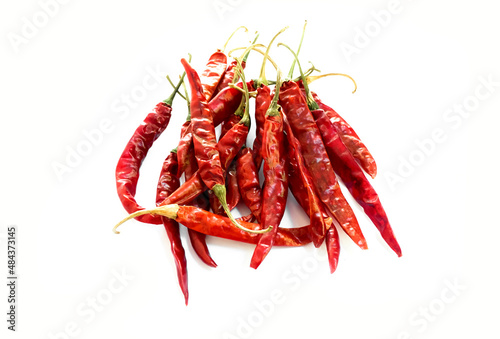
167,183
248,182
304,128
353,178
130,161
222,227
275,188
205,143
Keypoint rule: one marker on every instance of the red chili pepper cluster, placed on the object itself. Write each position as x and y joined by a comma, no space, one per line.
209,173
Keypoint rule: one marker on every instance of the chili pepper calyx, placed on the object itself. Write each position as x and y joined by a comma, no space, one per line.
169,211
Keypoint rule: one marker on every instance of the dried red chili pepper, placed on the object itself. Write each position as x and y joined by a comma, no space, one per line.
198,240
130,161
167,183
316,158
222,227
348,136
248,182
298,171
205,144
275,187
233,191
353,178
262,102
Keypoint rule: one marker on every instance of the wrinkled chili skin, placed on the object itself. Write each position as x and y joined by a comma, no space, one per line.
226,102
129,163
248,182
212,75
228,124
262,102
232,189
204,139
316,159
197,239
219,226
348,136
168,183
275,188
299,174
353,178
228,76
184,146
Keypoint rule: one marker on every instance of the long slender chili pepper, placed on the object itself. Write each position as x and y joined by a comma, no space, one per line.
205,144
248,182
167,183
298,169
353,178
222,227
301,194
127,169
275,188
316,159
197,239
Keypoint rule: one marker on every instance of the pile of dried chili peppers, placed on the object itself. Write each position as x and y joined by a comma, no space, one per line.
209,173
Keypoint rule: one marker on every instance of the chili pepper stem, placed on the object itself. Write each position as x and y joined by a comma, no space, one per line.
316,77
236,30
262,78
169,211
220,192
170,99
310,101
290,73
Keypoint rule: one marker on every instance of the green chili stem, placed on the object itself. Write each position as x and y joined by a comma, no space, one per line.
290,73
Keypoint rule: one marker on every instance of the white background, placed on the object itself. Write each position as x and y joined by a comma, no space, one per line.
413,73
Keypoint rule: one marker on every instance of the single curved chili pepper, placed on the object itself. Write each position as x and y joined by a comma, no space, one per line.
299,173
248,182
348,136
130,161
353,178
205,143
222,227
167,183
184,145
275,187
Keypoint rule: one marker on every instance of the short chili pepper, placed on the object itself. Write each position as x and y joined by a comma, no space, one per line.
353,178
167,183
275,187
127,169
222,227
